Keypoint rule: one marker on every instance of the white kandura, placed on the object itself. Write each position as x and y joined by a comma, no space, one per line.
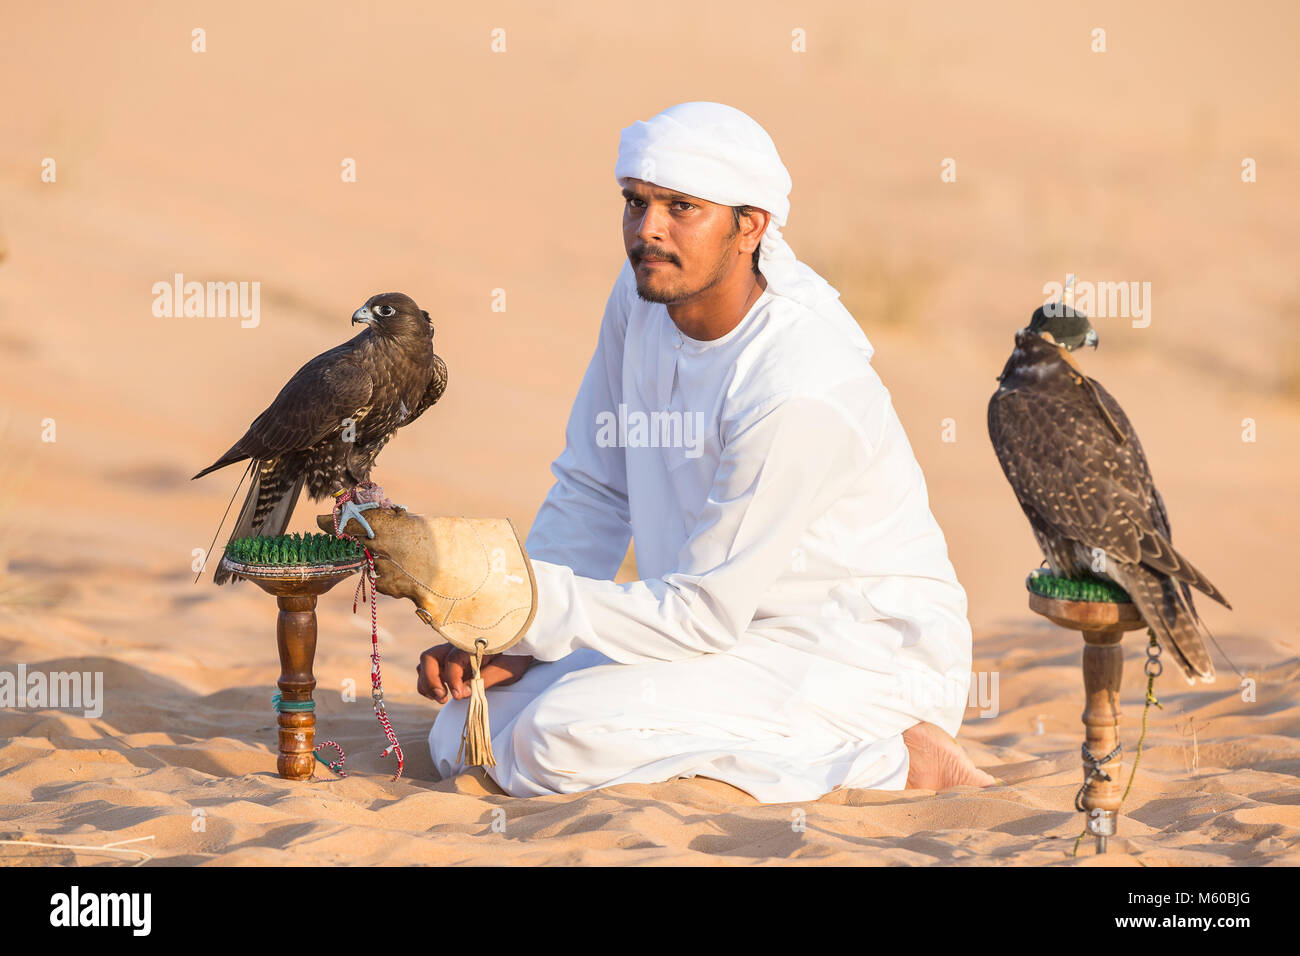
796,609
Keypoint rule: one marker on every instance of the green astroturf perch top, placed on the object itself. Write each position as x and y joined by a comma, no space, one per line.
293,549
1075,589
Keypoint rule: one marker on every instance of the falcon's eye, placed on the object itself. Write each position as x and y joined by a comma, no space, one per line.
384,310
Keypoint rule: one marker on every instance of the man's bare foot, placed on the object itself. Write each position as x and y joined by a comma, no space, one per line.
936,761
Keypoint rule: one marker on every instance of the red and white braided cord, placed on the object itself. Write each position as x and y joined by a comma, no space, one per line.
335,765
376,681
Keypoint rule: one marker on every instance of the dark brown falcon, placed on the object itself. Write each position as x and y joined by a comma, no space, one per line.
330,421
1080,475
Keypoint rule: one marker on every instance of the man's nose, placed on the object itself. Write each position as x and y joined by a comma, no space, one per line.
653,224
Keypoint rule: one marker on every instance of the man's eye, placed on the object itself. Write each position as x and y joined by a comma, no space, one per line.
682,202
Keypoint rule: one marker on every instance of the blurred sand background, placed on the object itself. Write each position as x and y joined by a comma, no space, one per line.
479,171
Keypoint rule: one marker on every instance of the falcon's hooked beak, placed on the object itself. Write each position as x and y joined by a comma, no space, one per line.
363,316
1090,339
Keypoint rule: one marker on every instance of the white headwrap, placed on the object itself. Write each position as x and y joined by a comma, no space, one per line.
718,153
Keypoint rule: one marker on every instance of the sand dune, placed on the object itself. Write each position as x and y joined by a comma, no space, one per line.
225,166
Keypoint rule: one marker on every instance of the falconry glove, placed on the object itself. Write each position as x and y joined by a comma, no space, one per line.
470,580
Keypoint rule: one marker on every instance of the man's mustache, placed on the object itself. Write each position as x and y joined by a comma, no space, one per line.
653,252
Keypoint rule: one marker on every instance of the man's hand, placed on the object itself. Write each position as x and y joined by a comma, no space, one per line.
446,667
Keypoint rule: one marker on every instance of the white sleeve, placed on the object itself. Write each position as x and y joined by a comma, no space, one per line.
783,465
584,522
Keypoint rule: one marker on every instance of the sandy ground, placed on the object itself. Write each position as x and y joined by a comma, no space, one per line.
481,171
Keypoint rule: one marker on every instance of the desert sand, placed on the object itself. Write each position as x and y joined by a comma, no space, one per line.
481,171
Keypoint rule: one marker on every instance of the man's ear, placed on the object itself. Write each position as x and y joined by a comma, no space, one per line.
758,220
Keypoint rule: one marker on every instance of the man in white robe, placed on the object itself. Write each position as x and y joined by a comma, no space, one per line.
797,626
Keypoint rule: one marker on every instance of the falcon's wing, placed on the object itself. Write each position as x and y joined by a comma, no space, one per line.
437,385
1063,461
313,404
331,387
1158,513
1159,516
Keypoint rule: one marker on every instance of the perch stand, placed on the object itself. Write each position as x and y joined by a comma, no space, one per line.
296,589
1103,624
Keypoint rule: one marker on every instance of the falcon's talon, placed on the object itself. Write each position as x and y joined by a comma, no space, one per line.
351,509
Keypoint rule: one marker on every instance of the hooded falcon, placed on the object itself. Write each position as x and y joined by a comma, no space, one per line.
1080,475
330,421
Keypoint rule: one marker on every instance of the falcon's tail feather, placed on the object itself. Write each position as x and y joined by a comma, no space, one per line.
229,458
1166,606
233,495
268,506
1186,572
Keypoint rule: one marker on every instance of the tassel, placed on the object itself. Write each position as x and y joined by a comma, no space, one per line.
476,740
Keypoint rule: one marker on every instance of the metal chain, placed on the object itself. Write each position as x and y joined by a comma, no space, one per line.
1094,765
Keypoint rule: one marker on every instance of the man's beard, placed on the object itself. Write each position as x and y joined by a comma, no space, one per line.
664,297
672,294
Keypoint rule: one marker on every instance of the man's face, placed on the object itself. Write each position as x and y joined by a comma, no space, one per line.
678,245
